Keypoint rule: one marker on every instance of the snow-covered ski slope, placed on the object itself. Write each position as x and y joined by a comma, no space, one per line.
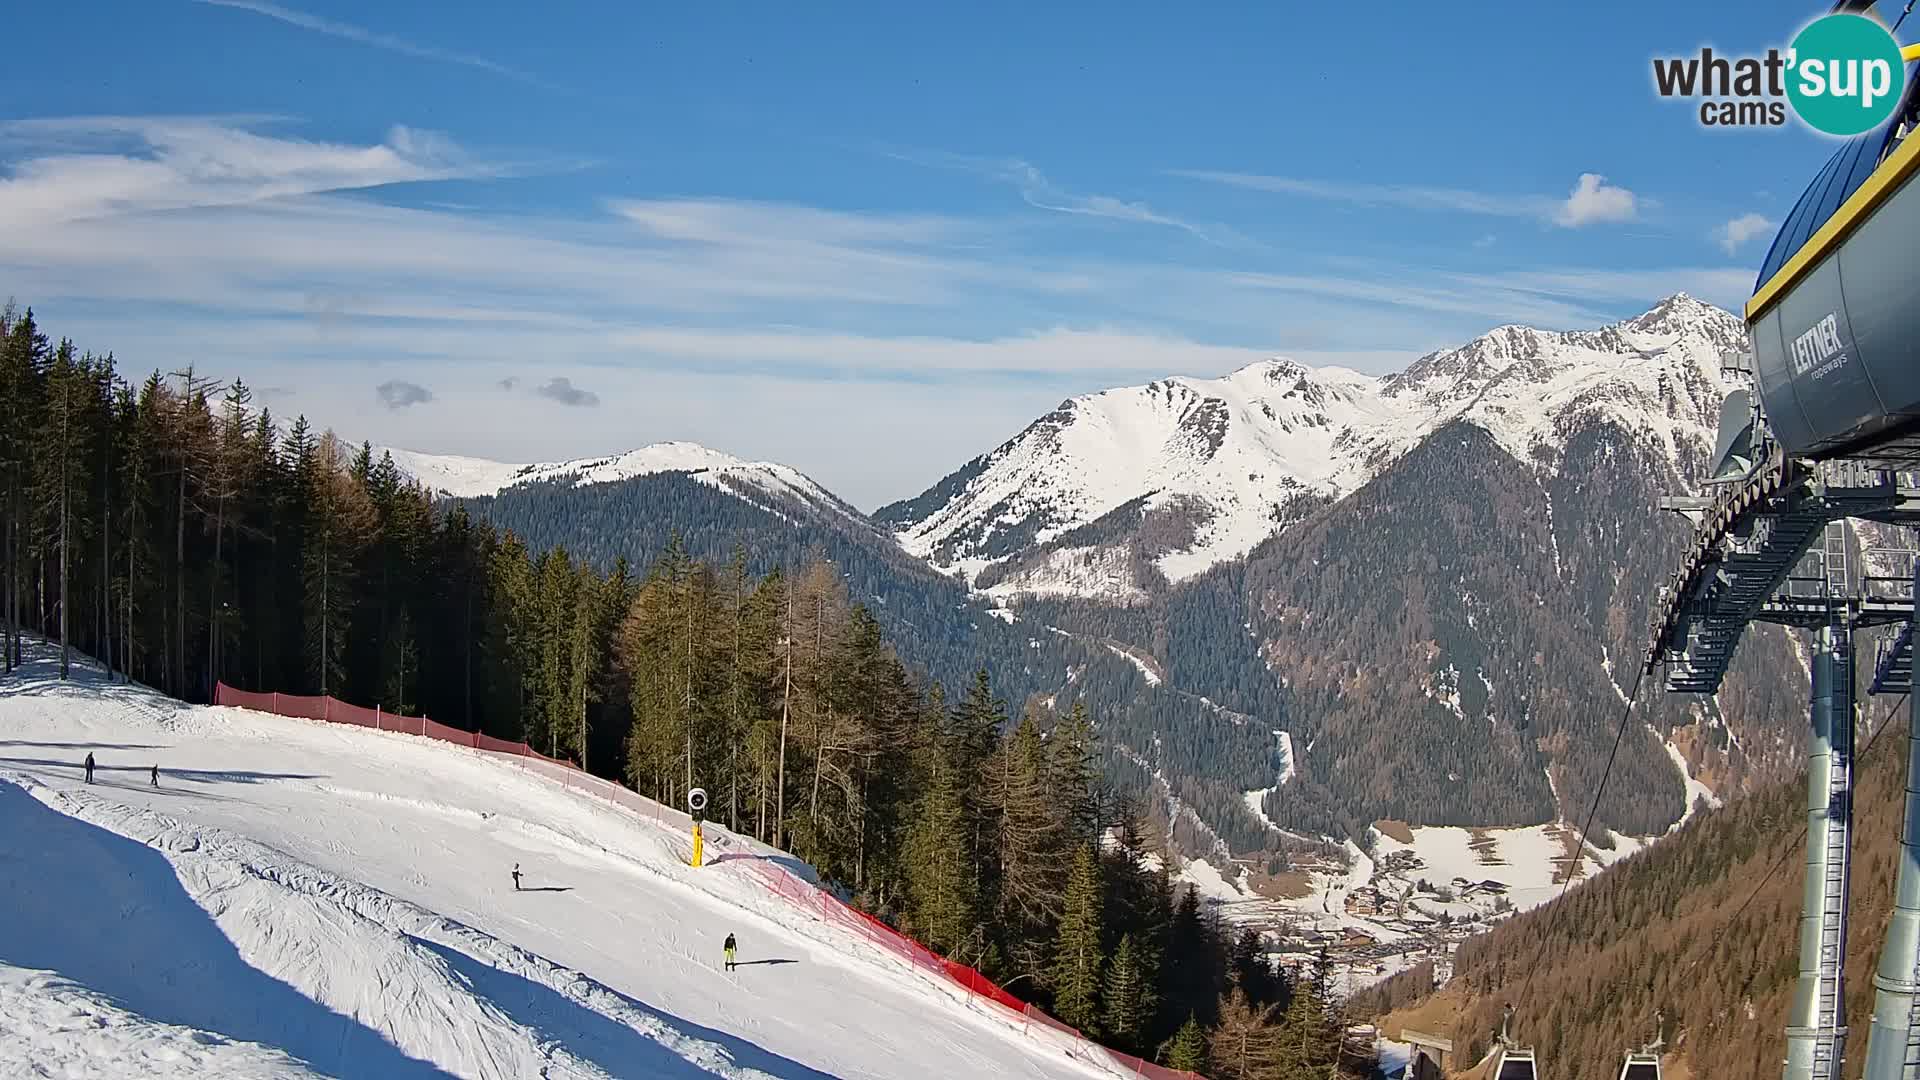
299,899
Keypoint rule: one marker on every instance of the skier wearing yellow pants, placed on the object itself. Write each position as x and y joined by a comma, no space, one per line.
729,951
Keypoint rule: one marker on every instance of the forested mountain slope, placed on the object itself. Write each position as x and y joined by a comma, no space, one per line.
1701,928
1443,616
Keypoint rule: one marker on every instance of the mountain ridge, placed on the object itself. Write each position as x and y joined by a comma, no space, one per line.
1224,463
1508,483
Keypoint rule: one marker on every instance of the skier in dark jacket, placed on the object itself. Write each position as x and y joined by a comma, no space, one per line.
516,877
89,767
156,776
729,947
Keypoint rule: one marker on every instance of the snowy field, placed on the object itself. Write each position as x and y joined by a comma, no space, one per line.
298,899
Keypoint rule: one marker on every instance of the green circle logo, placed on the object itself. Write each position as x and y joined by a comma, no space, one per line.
1845,74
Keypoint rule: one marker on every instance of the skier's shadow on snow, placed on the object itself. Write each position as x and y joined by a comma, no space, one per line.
602,1040
750,963
80,745
110,914
545,888
192,776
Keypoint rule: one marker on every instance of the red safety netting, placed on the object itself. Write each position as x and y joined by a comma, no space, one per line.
802,894
444,733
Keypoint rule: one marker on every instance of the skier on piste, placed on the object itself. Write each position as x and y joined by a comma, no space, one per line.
729,947
156,776
89,766
516,877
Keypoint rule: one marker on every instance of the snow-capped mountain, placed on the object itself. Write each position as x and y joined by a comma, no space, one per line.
1182,474
754,481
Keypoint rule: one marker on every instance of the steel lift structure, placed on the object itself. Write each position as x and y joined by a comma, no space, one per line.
1834,434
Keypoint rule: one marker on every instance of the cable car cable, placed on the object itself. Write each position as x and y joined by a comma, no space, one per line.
1580,849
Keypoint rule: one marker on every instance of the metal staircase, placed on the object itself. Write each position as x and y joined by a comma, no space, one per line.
1739,568
1893,662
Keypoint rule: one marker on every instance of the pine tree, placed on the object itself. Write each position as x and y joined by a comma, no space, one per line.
1247,966
1030,842
340,519
940,874
974,734
1128,1005
397,690
1192,966
1075,773
1076,958
1308,1042
1188,1048
582,659
63,474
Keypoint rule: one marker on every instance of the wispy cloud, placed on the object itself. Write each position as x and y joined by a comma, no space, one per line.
400,394
375,39
1734,234
1407,196
1485,242
105,165
264,256
1595,201
561,389
1042,193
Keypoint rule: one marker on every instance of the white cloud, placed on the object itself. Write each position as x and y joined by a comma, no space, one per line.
335,28
1734,234
1595,201
1485,242
107,165
261,256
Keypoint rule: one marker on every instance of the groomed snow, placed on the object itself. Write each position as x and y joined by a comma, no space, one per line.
297,899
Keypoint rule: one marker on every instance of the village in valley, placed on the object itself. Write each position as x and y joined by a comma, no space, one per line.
1412,897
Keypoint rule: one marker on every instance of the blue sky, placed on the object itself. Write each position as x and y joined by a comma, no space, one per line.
810,233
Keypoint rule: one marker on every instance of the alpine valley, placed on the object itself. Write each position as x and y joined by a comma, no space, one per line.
1296,601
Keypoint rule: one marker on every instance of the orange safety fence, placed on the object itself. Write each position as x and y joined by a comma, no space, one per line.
802,894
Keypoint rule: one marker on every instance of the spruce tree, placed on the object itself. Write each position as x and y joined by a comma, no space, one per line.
1309,1042
1188,1048
1128,1005
1247,966
944,905
1077,958
1075,773
1192,968
1030,838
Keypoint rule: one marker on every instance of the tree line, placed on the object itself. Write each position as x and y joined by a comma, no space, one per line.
184,537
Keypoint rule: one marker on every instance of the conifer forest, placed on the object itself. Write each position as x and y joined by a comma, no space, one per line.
167,526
